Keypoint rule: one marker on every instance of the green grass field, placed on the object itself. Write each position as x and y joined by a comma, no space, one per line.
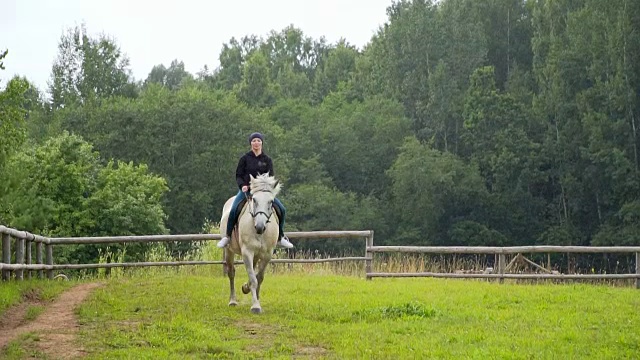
339,317
328,311
12,292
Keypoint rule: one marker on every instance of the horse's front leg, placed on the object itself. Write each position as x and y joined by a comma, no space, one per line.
231,273
262,266
247,258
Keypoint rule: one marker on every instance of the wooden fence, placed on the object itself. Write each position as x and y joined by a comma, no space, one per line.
501,253
24,241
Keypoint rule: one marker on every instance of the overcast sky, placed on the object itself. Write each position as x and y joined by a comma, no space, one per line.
156,32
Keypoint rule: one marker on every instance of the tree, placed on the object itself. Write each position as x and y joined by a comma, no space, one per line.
404,51
127,200
586,74
291,48
431,191
495,133
441,124
293,84
508,28
340,211
338,67
232,59
60,188
12,117
256,88
622,229
192,136
496,139
171,77
291,59
3,54
359,141
88,69
421,34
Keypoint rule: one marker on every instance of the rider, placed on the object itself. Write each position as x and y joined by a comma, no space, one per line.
254,162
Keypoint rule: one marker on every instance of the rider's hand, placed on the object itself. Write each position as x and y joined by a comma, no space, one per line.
245,188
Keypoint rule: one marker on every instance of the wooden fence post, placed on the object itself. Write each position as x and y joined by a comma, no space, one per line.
638,270
20,257
501,265
29,262
6,255
369,255
549,261
49,249
39,258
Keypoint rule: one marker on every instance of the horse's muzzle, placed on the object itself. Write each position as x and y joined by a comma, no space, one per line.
260,228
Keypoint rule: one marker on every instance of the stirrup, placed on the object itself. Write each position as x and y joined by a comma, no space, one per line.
285,243
223,242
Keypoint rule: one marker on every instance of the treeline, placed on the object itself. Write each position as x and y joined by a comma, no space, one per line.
499,122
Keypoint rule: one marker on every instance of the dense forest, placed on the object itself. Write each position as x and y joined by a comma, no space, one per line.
461,122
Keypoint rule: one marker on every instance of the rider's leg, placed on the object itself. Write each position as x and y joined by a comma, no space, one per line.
283,239
231,221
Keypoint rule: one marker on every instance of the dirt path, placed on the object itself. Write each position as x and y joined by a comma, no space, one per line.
56,327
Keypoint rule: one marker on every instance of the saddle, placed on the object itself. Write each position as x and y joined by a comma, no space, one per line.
242,208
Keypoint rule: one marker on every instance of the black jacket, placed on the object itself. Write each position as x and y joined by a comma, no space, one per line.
250,164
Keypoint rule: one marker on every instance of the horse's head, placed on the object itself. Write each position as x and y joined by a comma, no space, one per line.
264,189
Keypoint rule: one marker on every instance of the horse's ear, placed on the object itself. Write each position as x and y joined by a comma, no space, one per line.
251,177
276,187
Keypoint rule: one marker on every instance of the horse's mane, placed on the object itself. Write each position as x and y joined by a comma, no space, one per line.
264,182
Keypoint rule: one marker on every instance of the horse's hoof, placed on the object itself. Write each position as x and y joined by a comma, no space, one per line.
256,310
233,303
245,288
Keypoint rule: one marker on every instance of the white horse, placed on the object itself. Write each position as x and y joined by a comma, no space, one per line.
254,237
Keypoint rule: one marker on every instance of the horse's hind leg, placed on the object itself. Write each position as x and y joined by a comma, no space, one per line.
253,283
231,272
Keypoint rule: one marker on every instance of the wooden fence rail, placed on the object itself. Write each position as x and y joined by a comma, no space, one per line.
24,240
22,264
501,252
505,250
